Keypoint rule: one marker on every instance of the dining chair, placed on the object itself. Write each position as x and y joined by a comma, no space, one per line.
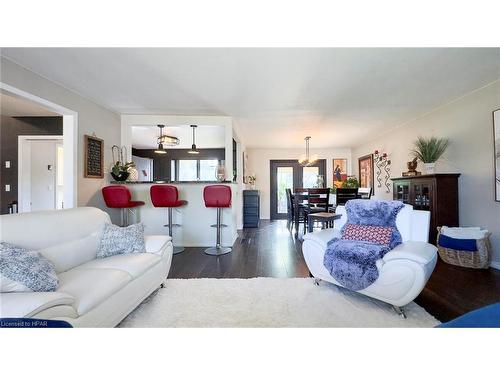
295,205
346,194
318,200
365,193
289,207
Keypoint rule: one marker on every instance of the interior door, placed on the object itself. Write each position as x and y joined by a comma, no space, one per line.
289,174
42,170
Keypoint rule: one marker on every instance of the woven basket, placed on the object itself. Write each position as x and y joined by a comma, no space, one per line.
470,259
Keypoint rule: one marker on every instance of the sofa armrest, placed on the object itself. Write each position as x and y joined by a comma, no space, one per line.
417,251
323,236
157,244
27,304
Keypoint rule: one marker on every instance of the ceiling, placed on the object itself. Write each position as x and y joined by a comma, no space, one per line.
206,136
276,96
11,105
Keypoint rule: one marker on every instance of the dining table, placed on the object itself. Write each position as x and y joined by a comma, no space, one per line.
300,203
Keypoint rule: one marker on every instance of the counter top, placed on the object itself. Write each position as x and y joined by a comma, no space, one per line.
172,183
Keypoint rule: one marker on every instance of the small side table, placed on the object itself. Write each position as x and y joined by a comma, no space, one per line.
322,217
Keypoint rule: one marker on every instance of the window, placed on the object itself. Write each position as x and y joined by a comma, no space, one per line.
208,170
172,170
309,177
194,170
188,170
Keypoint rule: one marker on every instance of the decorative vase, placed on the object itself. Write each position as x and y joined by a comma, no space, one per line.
320,181
133,174
122,176
220,172
430,168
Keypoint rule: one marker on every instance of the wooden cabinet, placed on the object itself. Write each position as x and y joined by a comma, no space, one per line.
251,208
437,193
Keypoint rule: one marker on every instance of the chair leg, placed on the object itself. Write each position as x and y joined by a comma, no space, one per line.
124,217
400,310
177,249
218,249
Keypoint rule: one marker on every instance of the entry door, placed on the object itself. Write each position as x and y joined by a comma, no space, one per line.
289,174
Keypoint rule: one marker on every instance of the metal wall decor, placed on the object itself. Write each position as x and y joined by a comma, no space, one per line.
382,162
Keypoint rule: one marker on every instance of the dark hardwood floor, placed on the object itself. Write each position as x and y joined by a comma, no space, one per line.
272,251
268,251
453,291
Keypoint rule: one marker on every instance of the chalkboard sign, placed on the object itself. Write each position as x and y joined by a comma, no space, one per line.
94,154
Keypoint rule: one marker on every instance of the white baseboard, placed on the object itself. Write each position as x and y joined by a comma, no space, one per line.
495,265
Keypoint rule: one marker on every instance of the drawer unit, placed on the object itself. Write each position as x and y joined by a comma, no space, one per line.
251,208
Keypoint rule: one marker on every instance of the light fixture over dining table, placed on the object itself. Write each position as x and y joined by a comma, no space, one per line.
307,160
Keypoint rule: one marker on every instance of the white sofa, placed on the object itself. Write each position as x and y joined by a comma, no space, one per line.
92,292
403,272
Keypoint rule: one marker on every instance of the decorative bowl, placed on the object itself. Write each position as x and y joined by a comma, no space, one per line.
122,176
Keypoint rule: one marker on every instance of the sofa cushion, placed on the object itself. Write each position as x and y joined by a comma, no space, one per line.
70,254
22,270
91,286
135,264
121,240
25,305
368,233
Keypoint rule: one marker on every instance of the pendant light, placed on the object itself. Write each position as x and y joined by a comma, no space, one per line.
193,146
165,140
306,159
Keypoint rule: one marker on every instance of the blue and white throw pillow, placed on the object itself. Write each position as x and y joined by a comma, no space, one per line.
24,270
121,240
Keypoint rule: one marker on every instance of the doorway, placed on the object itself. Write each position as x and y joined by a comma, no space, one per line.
40,173
289,174
67,193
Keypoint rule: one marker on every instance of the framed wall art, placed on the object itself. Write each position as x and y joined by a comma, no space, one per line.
365,167
94,156
339,172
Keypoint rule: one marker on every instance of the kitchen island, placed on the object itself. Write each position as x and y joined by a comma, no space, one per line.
194,218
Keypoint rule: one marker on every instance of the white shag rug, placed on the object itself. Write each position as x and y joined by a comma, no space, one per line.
267,302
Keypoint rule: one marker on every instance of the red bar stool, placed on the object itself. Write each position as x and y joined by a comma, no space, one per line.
218,196
167,196
118,196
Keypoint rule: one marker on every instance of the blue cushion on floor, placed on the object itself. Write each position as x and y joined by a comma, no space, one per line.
457,244
485,317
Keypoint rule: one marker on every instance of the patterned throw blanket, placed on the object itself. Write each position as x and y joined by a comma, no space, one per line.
369,233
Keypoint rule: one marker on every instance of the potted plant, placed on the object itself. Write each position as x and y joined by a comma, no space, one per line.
120,171
251,180
429,150
351,182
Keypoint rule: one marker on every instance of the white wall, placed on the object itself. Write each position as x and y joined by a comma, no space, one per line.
259,164
468,123
91,118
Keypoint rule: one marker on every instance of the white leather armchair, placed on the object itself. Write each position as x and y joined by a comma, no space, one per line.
403,272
